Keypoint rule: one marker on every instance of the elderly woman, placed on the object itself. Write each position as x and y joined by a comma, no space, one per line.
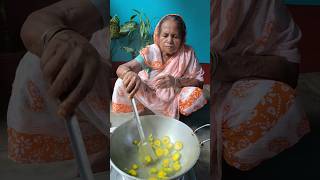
255,113
61,64
165,78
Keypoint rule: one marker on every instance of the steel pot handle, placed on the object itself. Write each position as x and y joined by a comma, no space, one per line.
201,127
112,129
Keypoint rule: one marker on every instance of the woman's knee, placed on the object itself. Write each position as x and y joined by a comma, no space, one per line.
118,86
191,99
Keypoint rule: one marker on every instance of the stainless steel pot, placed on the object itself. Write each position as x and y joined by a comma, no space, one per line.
123,153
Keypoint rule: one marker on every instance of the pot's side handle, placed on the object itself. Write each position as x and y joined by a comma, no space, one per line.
199,128
112,129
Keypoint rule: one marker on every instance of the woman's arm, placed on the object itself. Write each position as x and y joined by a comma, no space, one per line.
132,65
167,81
184,82
128,72
234,67
69,63
79,15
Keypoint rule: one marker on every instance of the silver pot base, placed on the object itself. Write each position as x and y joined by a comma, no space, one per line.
114,175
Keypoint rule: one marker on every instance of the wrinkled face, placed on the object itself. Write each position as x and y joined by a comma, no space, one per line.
169,37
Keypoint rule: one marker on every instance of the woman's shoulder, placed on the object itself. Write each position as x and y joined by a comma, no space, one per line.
151,50
152,46
146,48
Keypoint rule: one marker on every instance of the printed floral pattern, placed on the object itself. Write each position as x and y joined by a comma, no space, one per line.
36,148
265,115
36,103
124,108
193,102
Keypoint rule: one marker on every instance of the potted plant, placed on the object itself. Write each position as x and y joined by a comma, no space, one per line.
136,33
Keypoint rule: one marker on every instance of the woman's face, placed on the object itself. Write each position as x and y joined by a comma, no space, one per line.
170,39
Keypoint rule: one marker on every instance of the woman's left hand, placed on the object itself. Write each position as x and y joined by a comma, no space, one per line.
165,81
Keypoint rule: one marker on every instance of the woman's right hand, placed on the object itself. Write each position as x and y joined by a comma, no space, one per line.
70,64
131,82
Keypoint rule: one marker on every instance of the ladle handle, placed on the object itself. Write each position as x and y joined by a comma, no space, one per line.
78,146
136,115
79,149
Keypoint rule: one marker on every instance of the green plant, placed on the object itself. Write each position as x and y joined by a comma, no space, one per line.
136,30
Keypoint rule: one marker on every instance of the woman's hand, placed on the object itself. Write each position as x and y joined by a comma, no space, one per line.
70,64
131,82
165,81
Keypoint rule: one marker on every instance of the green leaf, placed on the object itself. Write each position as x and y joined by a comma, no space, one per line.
128,26
140,18
130,34
148,21
138,12
132,17
115,19
148,24
142,29
127,49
